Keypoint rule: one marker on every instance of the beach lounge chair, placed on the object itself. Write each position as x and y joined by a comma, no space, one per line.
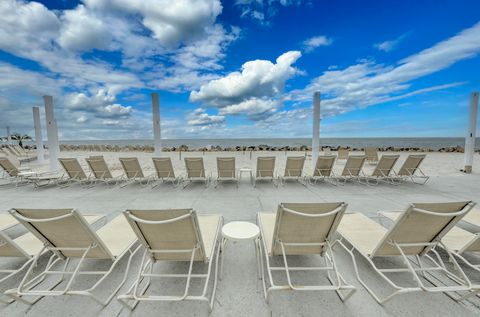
302,229
294,169
68,235
383,170
323,170
343,154
265,170
353,169
74,172
195,171
25,175
25,246
101,172
165,172
473,218
371,153
411,169
226,170
412,240
177,235
133,171
327,151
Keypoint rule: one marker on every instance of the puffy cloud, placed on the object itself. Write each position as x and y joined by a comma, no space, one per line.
255,108
316,41
200,118
101,104
258,78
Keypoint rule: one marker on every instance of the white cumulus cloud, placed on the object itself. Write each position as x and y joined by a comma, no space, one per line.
312,43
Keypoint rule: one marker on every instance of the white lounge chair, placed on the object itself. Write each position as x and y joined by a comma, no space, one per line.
473,217
413,240
226,170
302,229
411,169
383,170
74,172
101,172
177,235
294,169
133,171
343,154
371,154
25,175
67,234
195,171
324,170
265,170
165,172
353,169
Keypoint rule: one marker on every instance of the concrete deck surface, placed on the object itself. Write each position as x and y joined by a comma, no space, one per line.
240,292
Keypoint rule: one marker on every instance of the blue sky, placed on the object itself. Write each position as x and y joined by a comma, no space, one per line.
244,68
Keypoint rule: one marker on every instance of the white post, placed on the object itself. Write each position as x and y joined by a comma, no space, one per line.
316,127
38,134
53,148
157,137
9,138
472,127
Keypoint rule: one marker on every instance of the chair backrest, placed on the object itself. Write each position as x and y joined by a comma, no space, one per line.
194,166
132,167
65,229
326,151
354,165
371,153
411,164
99,167
265,166
294,166
72,168
385,165
226,167
8,166
163,167
8,248
324,165
343,154
305,223
167,231
421,223
13,150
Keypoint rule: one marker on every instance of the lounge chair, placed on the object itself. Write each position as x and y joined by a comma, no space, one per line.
133,171
383,170
413,240
302,229
10,150
294,169
101,172
25,175
353,169
323,170
177,235
195,171
67,234
265,170
411,169
165,172
343,154
473,218
327,151
25,246
371,154
226,170
74,172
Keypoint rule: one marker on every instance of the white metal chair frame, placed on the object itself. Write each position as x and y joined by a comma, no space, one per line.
189,179
170,174
26,286
339,284
69,177
413,175
355,174
100,175
258,174
331,177
290,171
435,259
137,294
138,175
234,173
385,174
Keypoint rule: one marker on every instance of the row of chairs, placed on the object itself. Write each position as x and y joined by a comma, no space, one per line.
18,153
226,171
417,237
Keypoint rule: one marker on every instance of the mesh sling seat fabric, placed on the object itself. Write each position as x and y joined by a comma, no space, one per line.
195,171
133,171
177,235
383,170
324,170
294,169
301,229
74,172
353,169
411,170
101,172
68,235
371,155
412,240
265,169
164,171
226,170
17,176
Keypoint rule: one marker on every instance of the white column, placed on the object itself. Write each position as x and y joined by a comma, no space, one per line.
53,148
472,127
157,137
38,134
316,127
9,138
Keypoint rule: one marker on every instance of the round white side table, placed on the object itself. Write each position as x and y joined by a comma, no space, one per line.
240,231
